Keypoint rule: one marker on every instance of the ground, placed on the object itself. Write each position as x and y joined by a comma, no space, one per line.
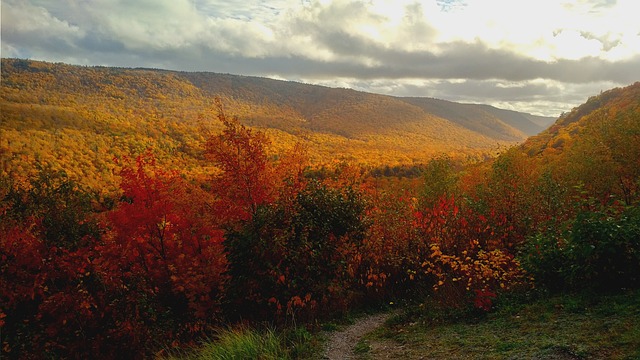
563,327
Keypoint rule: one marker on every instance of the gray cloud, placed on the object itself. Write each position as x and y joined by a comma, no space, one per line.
460,61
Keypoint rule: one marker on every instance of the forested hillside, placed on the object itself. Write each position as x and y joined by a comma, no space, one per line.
78,119
485,119
595,146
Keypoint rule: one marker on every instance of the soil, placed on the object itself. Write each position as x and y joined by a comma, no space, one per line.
342,342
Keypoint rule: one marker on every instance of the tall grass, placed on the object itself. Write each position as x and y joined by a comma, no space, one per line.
247,343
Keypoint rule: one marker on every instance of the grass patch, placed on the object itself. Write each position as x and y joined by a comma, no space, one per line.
559,327
247,343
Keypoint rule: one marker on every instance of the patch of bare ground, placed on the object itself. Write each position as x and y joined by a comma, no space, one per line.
341,343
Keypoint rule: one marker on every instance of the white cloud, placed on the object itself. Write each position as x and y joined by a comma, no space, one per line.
570,44
530,27
238,37
36,27
140,24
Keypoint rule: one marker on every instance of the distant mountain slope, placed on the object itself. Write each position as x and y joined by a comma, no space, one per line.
347,112
485,119
542,121
527,123
79,118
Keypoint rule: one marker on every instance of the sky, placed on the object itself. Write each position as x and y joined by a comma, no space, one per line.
543,57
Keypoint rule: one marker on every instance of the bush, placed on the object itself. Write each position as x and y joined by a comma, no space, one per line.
477,275
598,251
298,259
163,261
48,283
545,257
604,251
71,286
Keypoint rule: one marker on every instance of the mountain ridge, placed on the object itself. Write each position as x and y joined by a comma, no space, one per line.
78,118
512,125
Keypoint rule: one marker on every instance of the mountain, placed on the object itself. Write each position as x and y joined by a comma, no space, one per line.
488,120
352,113
77,119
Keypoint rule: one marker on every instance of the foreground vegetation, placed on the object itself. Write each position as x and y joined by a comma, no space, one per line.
168,259
537,326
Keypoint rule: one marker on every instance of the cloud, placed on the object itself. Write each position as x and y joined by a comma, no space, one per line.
462,49
458,61
28,28
259,11
144,24
539,97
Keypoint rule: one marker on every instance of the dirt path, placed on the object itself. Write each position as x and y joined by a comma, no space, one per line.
341,343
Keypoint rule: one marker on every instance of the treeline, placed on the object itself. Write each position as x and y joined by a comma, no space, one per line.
266,239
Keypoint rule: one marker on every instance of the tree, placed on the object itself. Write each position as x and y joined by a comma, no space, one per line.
164,260
439,180
246,177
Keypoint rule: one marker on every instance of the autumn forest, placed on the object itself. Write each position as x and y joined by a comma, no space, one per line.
143,209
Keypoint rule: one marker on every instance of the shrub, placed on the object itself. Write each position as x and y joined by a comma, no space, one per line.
545,257
70,286
604,251
296,260
598,250
477,275
48,286
163,261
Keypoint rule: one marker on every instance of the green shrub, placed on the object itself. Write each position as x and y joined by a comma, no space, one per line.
544,256
598,251
296,259
604,251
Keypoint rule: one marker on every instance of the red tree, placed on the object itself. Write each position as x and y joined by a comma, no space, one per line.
164,256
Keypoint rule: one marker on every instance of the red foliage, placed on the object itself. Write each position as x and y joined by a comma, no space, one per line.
21,255
47,295
484,299
156,274
162,249
391,251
